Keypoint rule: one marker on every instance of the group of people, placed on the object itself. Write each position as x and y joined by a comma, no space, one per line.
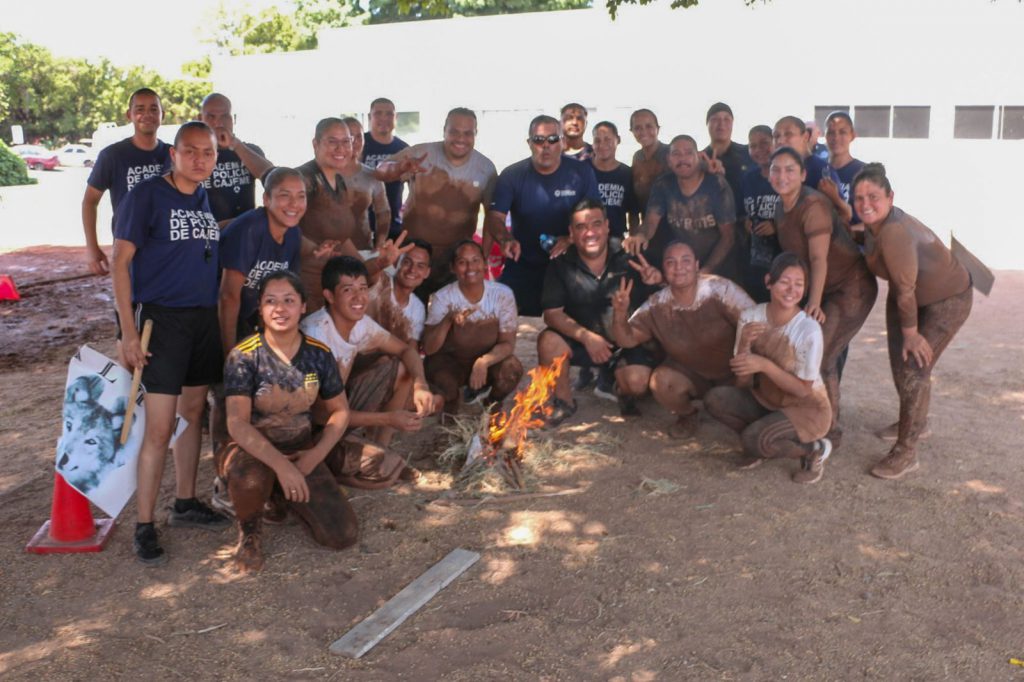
356,300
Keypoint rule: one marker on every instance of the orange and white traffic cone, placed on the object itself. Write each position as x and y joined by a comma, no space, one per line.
71,527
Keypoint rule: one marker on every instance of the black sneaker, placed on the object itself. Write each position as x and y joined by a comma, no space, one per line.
627,406
147,546
561,411
194,514
605,387
583,379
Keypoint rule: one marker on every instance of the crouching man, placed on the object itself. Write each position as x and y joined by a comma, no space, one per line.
382,374
272,380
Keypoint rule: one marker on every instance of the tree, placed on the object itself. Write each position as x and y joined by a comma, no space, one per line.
614,5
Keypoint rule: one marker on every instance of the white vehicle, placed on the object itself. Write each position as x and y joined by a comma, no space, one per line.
76,155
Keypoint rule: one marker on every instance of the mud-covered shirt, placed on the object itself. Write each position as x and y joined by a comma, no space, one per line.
231,188
366,336
494,314
176,262
405,322
247,246
365,196
698,336
796,347
697,219
282,392
122,165
647,171
617,195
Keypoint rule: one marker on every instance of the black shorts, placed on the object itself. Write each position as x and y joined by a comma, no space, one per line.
184,347
621,357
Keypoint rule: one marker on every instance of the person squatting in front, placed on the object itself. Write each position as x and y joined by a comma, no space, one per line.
165,269
273,461
779,406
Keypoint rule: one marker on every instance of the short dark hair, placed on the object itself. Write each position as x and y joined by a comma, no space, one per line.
761,129
795,120
794,154
679,242
455,250
381,100
421,244
839,115
192,125
784,261
610,126
350,120
589,204
542,119
325,124
643,111
875,173
341,266
460,111
287,276
275,176
717,108
573,105
144,91
683,138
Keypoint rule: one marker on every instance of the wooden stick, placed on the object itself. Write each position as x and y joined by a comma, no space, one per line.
147,330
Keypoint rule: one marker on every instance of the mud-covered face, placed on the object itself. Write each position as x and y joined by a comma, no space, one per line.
281,306
788,289
679,266
589,232
145,113
413,268
838,136
334,148
287,203
469,265
787,134
350,298
645,129
683,159
574,123
459,136
785,175
871,202
605,144
195,155
720,127
760,148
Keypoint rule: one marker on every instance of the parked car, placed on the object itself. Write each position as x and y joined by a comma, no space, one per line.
77,155
36,157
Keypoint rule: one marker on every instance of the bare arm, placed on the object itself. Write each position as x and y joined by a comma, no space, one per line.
434,335
253,161
745,365
723,247
817,247
230,302
94,256
494,227
598,347
131,348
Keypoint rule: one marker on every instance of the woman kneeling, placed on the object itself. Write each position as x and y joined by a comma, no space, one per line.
271,381
779,406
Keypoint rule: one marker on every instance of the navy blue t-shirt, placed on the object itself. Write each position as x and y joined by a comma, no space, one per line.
247,246
759,200
231,188
122,165
818,170
846,175
176,236
541,204
737,162
373,153
617,195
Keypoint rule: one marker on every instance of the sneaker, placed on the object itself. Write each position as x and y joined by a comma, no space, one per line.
900,461
627,406
147,545
892,432
220,500
812,467
583,379
562,411
471,397
194,514
605,386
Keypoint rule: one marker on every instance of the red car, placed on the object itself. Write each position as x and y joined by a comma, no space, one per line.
36,157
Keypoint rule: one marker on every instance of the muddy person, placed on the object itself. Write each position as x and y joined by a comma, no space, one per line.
841,290
759,200
273,464
383,376
779,405
232,186
380,143
574,125
470,335
650,162
930,297
790,131
393,303
122,166
446,195
366,194
614,181
539,193
692,206
694,320
578,289
165,269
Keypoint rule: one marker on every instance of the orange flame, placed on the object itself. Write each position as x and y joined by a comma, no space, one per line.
508,429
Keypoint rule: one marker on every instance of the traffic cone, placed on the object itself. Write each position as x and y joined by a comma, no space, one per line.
8,292
71,527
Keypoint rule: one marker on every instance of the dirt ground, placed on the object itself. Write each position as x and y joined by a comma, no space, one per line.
733,576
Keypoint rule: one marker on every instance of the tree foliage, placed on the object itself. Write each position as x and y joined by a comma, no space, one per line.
614,5
57,99
13,170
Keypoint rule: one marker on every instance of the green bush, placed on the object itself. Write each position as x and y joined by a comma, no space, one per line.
13,170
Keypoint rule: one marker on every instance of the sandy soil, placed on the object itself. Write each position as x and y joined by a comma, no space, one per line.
734,576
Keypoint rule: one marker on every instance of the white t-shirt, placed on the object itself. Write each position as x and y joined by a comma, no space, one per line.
366,337
498,302
414,312
804,337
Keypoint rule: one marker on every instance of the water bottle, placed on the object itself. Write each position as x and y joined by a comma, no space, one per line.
547,242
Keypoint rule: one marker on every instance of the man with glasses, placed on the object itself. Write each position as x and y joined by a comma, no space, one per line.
539,193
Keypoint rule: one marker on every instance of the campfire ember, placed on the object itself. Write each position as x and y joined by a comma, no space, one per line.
502,444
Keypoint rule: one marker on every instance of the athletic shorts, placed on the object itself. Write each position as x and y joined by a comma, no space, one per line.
621,357
184,348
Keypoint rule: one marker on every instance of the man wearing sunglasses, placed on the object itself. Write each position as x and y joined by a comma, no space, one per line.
539,193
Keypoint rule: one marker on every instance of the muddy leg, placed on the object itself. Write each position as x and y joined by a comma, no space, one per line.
504,377
448,376
328,515
250,483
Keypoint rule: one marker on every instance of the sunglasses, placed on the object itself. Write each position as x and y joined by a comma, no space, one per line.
541,139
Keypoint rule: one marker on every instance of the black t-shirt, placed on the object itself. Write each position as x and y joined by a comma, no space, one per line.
617,195
231,188
737,162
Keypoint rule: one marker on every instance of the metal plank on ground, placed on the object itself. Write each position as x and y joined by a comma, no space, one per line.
384,620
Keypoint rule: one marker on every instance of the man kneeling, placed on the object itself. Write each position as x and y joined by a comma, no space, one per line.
271,380
381,373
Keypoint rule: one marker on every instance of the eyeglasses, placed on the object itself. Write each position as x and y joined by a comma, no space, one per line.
541,139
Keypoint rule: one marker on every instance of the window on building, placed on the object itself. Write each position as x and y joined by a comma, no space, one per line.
911,122
408,123
1012,126
973,123
822,112
871,121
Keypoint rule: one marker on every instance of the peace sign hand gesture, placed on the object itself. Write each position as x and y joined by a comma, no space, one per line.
712,163
620,299
649,275
391,250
